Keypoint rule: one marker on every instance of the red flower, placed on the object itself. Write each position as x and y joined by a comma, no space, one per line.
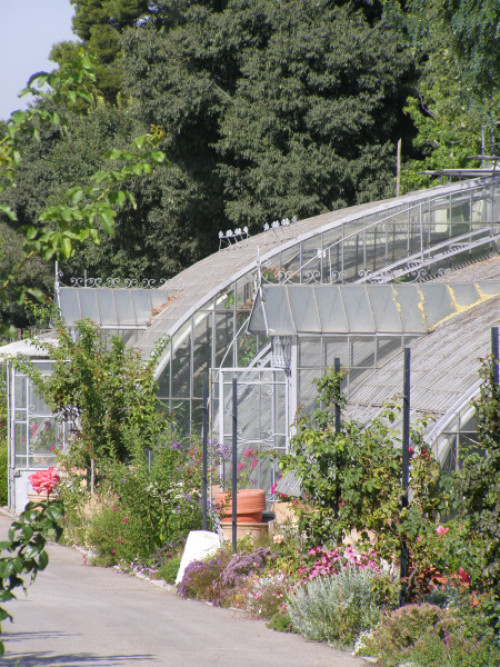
44,480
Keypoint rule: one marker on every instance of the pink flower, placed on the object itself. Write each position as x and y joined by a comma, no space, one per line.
441,530
125,520
272,490
240,466
254,464
463,576
44,480
248,453
114,509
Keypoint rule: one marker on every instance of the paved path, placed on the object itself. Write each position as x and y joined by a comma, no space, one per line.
80,616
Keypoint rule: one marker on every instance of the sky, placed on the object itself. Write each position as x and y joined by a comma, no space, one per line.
28,29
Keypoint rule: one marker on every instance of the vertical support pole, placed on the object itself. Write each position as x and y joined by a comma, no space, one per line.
235,465
336,368
204,479
398,168
495,355
405,476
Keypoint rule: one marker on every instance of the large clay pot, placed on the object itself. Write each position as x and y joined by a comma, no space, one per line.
250,503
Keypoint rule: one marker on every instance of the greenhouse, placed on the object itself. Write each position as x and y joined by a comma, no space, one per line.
276,309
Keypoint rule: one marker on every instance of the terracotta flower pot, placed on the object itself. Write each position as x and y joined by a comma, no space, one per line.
250,503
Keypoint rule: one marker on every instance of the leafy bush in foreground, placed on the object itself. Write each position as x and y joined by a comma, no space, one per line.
430,636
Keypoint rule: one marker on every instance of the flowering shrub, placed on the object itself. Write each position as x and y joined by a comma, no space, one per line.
266,599
220,578
201,580
329,562
426,634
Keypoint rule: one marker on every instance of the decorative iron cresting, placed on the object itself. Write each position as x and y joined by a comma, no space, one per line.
117,282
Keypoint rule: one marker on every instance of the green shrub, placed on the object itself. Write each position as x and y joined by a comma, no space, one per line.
168,571
335,609
113,535
430,636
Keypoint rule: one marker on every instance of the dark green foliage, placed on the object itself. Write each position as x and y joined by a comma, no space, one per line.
168,571
99,23
273,109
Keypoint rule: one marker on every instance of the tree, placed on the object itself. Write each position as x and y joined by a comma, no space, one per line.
102,390
458,93
99,24
80,212
272,108
315,115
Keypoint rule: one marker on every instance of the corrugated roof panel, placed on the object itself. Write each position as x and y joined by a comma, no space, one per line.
357,308
107,306
437,303
70,305
89,304
304,308
411,310
278,313
385,309
331,309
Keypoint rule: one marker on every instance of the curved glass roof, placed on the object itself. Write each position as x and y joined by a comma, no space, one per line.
354,244
411,238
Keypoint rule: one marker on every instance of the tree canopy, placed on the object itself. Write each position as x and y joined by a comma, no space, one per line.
265,110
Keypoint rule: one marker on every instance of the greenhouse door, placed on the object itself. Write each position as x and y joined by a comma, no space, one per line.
263,415
34,434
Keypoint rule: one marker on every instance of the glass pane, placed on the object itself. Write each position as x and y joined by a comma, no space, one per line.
43,435
202,349
363,352
224,334
70,304
337,347
309,353
181,364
